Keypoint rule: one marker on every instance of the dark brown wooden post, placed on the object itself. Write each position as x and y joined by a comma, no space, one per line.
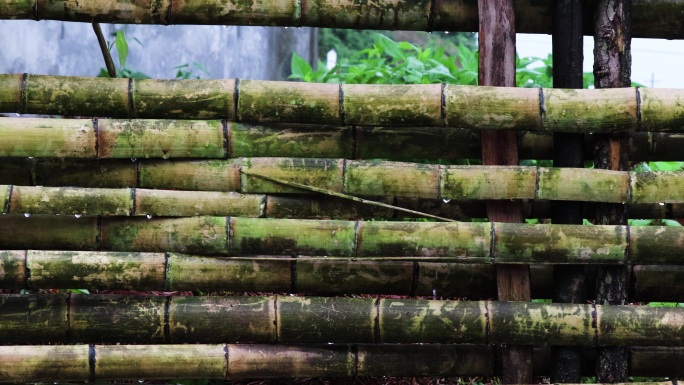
568,151
612,68
497,68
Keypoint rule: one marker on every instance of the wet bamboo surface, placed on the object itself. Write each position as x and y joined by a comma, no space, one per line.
652,19
254,101
111,138
353,177
99,270
101,318
428,241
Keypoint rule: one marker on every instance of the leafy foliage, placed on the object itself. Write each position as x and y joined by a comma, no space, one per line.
391,62
184,71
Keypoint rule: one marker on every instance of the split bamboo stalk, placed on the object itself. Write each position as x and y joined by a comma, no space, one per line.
491,108
652,19
428,241
26,137
98,318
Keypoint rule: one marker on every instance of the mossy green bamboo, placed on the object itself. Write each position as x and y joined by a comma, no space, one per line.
443,321
206,99
160,139
334,277
183,203
295,140
33,319
70,201
402,15
235,12
185,272
12,269
326,319
456,106
157,362
40,137
49,232
44,363
253,236
283,102
201,235
108,173
99,318
95,270
504,182
221,319
322,173
392,105
657,283
394,179
208,175
10,90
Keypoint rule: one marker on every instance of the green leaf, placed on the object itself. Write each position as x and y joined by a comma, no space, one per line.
299,67
121,48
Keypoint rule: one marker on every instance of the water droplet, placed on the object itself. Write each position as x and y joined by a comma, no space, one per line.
446,32
27,215
141,381
287,27
446,200
78,215
333,232
30,157
133,159
18,114
148,216
661,203
225,26
165,156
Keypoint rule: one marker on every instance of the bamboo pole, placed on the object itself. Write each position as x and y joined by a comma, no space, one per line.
72,363
26,137
652,19
428,241
161,203
98,318
489,108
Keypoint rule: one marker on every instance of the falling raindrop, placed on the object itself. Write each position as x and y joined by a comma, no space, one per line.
446,200
27,215
148,216
18,114
661,203
78,215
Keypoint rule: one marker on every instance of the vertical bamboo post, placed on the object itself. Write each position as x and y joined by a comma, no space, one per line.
497,68
612,68
568,151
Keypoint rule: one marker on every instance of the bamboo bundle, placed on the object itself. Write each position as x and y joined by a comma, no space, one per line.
110,138
441,242
98,318
652,19
497,108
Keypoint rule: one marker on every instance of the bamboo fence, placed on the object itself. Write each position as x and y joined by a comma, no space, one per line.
502,243
45,269
111,138
651,19
97,318
355,177
430,105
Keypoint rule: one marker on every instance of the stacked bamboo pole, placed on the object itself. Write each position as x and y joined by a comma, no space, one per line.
368,178
97,318
431,105
428,241
652,19
654,280
111,138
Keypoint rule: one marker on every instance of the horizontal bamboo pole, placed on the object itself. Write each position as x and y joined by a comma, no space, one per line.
40,363
322,276
652,19
429,241
428,105
366,178
110,138
98,318
89,363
